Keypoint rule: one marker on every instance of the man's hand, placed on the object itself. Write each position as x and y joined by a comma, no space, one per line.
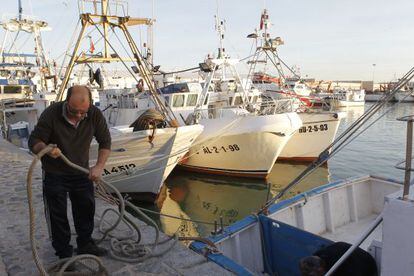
55,153
95,172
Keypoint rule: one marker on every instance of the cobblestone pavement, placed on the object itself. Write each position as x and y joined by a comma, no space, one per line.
15,251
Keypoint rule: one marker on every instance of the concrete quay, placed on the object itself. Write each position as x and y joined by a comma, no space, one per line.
15,253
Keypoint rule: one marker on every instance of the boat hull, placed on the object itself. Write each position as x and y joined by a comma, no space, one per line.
246,146
374,97
404,98
138,164
316,134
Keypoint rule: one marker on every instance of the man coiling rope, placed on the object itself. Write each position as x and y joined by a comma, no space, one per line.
72,125
126,249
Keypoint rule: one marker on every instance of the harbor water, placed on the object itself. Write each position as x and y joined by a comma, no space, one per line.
207,198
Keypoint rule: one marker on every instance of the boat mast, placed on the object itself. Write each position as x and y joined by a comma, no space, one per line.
34,28
108,21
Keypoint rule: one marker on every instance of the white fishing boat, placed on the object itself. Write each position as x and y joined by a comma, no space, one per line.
282,86
144,151
374,96
345,98
140,161
404,97
24,70
241,144
235,141
319,127
24,73
297,227
313,137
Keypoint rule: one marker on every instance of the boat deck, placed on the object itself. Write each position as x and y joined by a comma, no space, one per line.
351,232
15,252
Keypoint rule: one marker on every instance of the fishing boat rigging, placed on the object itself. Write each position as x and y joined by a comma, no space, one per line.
25,71
23,74
146,148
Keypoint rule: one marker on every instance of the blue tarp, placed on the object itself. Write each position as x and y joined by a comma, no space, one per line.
285,245
175,88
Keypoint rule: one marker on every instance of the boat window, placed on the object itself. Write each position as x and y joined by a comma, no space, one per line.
191,100
12,89
178,101
238,100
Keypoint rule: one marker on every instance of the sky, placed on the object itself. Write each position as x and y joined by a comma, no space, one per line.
326,39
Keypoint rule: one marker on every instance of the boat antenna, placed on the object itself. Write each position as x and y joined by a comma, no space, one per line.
220,28
20,9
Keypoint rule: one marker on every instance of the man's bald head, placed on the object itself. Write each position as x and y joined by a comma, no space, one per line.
78,102
79,94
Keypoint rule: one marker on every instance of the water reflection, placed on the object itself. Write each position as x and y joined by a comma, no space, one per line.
352,113
283,173
207,198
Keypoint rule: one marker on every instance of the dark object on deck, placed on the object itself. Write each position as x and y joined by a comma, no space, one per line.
148,119
359,263
96,77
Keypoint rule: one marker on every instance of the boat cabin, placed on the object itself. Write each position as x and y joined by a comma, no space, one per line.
15,82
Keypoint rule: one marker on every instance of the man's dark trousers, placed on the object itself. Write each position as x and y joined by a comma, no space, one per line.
81,193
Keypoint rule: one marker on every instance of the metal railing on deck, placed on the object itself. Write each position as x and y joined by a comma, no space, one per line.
408,155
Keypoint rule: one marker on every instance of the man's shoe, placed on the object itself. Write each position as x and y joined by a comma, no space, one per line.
93,249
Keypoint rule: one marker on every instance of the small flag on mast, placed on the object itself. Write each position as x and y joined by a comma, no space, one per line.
263,19
92,46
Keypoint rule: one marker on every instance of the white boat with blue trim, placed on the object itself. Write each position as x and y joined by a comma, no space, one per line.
272,243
